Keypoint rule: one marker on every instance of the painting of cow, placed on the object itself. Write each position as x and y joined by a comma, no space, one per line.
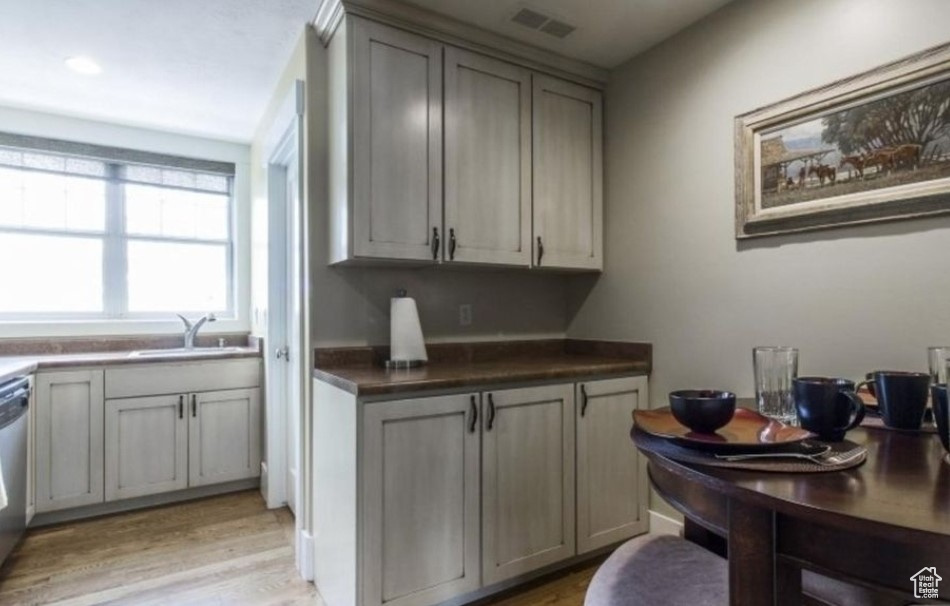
858,150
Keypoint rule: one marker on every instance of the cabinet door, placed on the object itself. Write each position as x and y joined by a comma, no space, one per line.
487,160
224,436
568,175
420,500
397,142
527,480
69,441
611,480
146,446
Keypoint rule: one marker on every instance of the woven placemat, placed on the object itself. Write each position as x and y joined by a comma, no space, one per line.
671,450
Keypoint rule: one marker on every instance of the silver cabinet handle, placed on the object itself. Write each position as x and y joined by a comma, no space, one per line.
474,422
282,353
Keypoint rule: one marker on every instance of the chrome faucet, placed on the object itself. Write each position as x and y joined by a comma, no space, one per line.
191,329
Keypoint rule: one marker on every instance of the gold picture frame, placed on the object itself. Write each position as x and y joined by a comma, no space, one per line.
872,147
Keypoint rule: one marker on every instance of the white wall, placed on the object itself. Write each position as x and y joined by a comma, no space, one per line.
294,70
54,126
852,299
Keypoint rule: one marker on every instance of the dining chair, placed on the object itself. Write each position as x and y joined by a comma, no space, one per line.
666,569
660,569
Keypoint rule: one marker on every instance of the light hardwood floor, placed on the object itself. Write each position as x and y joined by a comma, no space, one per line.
221,550
226,550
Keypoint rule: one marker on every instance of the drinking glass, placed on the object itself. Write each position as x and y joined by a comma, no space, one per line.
939,358
775,369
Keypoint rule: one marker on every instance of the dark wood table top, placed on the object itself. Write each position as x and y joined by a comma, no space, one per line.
903,487
875,526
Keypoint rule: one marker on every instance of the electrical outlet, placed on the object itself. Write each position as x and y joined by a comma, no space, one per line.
465,314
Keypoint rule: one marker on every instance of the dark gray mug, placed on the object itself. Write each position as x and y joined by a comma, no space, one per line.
901,396
828,407
942,415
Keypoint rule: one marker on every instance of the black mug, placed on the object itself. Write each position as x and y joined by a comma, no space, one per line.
942,415
827,407
901,396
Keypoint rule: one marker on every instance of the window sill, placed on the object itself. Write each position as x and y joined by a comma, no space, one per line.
113,328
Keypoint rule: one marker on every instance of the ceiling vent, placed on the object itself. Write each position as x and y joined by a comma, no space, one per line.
539,22
558,29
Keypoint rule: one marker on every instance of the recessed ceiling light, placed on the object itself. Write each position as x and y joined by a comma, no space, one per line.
83,65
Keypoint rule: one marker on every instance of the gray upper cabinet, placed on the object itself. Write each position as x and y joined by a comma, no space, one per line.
387,190
487,160
438,154
568,175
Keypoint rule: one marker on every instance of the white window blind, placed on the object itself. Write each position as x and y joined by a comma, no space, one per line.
93,232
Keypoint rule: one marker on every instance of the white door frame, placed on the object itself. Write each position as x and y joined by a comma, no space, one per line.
283,148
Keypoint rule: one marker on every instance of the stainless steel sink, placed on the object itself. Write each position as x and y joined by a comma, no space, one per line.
182,352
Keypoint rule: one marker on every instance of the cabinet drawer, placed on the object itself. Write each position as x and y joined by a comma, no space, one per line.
186,377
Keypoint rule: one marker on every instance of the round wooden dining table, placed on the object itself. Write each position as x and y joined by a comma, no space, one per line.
877,525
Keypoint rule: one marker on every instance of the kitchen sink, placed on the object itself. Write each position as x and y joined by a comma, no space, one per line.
181,351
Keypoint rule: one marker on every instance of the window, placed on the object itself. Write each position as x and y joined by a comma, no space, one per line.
113,234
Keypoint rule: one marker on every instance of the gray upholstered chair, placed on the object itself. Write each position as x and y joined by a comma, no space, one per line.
668,570
660,569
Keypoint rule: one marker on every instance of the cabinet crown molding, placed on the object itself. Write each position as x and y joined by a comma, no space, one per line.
445,29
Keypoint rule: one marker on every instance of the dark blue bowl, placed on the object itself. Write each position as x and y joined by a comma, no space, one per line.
703,410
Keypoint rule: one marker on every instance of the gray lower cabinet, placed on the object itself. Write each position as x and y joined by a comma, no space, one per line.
611,478
88,449
420,500
69,439
224,436
527,480
146,446
163,443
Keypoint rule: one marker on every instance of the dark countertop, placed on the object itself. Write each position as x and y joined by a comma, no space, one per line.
24,356
492,364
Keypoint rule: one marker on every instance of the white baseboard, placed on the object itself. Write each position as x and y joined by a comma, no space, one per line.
152,500
663,524
305,554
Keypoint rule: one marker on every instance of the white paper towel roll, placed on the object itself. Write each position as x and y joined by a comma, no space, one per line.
405,332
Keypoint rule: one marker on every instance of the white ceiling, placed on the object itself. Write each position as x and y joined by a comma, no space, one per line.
608,31
208,67
205,67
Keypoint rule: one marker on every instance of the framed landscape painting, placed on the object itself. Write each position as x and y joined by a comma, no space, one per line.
873,147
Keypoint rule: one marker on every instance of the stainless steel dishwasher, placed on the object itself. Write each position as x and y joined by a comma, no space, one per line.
14,428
